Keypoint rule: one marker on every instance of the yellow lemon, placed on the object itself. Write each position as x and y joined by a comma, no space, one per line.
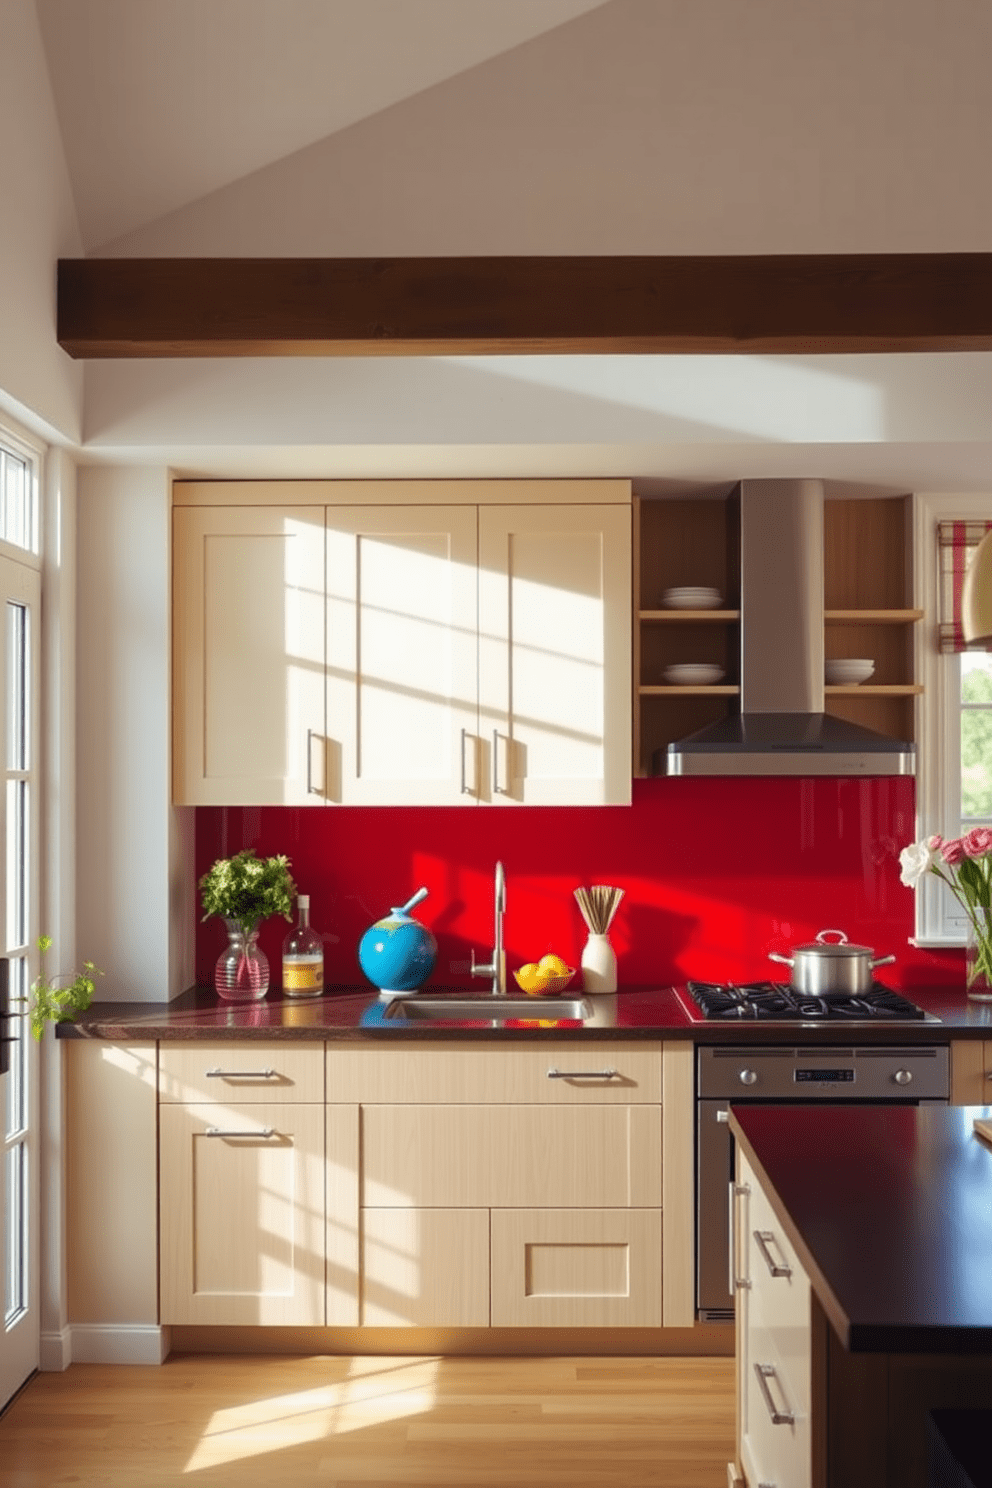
528,977
552,965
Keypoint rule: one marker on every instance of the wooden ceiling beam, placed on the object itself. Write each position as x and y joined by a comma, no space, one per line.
203,307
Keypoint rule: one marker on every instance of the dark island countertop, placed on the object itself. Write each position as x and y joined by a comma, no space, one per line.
353,1013
889,1209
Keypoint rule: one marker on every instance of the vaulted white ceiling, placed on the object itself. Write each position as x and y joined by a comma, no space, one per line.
425,127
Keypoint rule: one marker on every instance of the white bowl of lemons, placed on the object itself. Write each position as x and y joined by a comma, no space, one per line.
544,978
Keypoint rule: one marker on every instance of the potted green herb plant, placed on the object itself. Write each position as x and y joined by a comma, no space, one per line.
244,891
48,1002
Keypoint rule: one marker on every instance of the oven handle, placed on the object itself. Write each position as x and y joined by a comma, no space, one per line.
735,1282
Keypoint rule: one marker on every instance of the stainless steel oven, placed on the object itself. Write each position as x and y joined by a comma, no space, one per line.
790,1075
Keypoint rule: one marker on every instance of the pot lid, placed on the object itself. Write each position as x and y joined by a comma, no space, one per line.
832,949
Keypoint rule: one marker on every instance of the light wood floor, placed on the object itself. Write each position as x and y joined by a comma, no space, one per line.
221,1421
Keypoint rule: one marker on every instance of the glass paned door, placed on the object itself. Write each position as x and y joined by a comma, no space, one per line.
19,1186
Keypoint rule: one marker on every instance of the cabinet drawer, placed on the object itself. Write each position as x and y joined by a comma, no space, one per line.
779,1302
562,1268
774,1451
244,1073
433,1074
510,1157
425,1268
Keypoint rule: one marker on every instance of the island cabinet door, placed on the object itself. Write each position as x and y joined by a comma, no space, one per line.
773,1345
242,1214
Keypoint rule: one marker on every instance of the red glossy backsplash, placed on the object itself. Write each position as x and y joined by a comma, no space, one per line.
716,873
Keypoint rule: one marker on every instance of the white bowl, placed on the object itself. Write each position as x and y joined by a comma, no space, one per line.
692,599
693,674
848,672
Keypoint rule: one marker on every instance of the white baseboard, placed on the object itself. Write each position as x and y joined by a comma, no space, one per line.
56,1351
119,1343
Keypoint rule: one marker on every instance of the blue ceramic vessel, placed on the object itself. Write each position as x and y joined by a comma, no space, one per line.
397,953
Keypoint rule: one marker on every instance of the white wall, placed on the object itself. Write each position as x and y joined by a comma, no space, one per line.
133,849
38,382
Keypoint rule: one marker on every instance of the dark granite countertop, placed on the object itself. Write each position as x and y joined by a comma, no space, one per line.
889,1209
650,1013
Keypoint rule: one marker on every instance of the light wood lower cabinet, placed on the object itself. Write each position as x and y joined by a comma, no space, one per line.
543,1208
242,1213
971,1072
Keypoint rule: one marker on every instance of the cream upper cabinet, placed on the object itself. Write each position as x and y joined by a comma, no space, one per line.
402,713
555,654
248,654
400,654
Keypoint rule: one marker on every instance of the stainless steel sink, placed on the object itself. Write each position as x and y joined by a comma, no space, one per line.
481,1008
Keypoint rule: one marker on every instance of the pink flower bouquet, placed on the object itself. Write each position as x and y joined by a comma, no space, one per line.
965,865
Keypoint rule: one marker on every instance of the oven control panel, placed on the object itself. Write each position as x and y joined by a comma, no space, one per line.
871,1073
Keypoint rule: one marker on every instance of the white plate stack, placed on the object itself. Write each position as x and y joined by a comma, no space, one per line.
692,674
692,599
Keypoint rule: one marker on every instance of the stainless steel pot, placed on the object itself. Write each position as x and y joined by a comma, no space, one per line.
831,968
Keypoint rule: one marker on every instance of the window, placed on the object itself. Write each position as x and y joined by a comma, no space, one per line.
18,496
954,733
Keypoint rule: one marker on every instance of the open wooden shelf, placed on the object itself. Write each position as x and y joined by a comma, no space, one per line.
689,616
718,690
868,611
872,617
870,689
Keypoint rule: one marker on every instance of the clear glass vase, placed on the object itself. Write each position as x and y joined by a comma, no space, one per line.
242,970
978,957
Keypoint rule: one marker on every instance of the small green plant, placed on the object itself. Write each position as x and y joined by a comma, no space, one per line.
50,1003
248,889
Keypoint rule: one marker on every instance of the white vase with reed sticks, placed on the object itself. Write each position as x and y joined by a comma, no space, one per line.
598,905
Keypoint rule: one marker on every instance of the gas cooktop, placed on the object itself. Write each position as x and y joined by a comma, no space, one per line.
776,1001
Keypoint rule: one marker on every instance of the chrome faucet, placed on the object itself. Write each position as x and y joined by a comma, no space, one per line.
496,968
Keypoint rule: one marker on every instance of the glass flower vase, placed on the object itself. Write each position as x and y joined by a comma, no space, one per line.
978,957
242,970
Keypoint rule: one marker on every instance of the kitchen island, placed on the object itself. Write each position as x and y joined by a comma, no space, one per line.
864,1264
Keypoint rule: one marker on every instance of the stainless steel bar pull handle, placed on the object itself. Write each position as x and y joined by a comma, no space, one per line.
498,790
766,1372
223,1074
777,1268
734,1281
603,1074
310,785
216,1131
465,789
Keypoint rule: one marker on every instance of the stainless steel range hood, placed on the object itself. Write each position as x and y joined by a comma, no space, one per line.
782,728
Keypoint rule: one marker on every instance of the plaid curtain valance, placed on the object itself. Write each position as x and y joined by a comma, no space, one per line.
956,542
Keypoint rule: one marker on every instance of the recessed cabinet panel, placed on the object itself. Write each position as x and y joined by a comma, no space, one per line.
596,1269
248,653
242,1224
401,647
425,1268
523,1156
